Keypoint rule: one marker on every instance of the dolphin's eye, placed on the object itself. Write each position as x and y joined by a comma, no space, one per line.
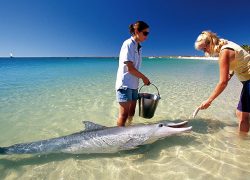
160,125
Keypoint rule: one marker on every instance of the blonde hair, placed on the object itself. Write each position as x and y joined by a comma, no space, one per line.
210,39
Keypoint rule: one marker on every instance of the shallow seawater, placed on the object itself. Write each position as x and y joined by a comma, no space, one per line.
42,98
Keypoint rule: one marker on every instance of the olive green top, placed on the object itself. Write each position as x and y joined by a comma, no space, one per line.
241,64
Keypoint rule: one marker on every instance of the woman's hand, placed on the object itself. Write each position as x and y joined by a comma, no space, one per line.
225,57
205,104
146,81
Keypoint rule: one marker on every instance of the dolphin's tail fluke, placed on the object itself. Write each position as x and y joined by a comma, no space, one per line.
3,150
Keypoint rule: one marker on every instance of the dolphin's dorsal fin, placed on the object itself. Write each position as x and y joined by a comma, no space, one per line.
90,126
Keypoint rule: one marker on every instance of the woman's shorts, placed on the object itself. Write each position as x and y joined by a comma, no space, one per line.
125,95
244,103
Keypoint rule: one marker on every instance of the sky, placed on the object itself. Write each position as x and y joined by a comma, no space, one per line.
72,28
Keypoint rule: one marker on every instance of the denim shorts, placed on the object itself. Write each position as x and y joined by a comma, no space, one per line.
244,103
125,95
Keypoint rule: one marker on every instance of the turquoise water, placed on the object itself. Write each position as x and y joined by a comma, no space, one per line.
49,97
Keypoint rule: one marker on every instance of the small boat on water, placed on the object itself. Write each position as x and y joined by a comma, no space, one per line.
11,55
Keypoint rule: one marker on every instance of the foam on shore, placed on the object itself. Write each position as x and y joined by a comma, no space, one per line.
185,57
197,57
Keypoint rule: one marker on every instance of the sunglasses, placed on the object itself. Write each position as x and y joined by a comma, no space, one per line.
145,33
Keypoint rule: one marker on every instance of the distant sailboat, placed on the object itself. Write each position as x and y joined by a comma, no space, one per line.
11,55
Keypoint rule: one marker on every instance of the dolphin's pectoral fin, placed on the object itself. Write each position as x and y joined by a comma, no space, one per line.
90,126
177,125
133,142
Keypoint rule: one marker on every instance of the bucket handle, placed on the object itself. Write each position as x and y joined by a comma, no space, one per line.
153,85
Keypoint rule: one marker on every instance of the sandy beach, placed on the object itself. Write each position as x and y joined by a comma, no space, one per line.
197,57
186,57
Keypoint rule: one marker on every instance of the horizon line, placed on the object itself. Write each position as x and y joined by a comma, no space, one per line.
164,56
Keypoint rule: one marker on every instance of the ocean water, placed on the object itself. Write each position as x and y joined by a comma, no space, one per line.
43,98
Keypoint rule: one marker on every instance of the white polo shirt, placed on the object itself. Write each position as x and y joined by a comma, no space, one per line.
129,52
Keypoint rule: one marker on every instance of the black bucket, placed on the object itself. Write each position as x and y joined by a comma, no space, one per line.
148,103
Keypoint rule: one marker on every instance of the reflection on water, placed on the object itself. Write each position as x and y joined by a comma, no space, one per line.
48,98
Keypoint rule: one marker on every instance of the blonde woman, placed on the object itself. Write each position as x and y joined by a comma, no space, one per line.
232,59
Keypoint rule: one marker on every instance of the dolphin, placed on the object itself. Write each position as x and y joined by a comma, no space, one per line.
100,139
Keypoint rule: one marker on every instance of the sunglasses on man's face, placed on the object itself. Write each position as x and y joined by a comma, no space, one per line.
145,33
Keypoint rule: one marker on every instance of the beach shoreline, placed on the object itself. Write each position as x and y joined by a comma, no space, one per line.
198,57
186,57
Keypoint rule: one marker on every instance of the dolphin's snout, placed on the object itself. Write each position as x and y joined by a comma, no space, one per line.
177,125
